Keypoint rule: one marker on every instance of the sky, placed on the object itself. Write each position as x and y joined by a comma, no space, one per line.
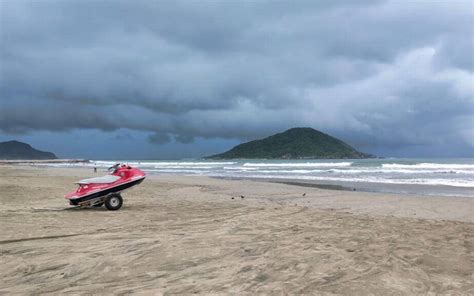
184,79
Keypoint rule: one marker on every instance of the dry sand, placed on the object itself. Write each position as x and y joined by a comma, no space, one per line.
187,235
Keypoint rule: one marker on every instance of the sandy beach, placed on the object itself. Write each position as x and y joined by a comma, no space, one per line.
179,234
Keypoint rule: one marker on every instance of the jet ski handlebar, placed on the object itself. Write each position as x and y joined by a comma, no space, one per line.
114,167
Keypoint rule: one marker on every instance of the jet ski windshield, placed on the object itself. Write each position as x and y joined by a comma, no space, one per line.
114,168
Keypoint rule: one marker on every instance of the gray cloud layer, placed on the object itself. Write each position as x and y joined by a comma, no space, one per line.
385,73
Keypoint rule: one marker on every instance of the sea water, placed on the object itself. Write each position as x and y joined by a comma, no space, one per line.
448,177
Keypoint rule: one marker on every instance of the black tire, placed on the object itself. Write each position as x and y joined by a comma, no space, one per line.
98,205
113,202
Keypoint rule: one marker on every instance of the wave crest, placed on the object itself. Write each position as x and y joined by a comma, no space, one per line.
296,164
445,166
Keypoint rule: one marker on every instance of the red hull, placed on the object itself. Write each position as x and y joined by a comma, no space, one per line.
122,178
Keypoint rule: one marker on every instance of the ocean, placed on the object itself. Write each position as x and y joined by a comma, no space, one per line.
447,177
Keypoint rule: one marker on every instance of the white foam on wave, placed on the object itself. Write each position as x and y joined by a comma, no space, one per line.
347,170
445,166
289,171
194,167
297,164
179,163
164,163
240,168
432,182
180,171
399,171
61,165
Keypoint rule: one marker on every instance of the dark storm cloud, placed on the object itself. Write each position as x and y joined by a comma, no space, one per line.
159,138
386,73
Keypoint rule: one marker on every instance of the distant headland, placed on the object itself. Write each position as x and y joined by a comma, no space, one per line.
295,143
14,150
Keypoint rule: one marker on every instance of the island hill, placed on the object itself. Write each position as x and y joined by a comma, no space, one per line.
13,150
295,143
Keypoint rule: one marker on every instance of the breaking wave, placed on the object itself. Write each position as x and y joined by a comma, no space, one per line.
300,165
428,166
442,182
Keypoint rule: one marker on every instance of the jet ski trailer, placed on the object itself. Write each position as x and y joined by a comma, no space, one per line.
106,190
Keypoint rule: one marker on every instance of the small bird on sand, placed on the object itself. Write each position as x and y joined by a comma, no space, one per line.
242,196
232,197
304,194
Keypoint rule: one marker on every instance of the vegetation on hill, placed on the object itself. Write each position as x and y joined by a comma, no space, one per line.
295,143
19,150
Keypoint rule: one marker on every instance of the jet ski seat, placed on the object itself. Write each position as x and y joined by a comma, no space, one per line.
101,180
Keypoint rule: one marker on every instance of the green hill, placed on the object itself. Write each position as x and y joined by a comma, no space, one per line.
19,150
295,143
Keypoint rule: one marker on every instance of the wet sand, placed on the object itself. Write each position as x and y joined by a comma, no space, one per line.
179,234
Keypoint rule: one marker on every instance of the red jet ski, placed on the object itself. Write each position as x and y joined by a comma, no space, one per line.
106,190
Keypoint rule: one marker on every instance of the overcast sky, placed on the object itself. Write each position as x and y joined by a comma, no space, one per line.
166,79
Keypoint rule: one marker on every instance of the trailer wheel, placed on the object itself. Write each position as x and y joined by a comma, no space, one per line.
113,202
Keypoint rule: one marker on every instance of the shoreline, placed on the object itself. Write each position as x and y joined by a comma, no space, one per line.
381,188
292,182
427,177
368,187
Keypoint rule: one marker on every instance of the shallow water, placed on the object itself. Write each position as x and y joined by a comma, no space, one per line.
448,177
